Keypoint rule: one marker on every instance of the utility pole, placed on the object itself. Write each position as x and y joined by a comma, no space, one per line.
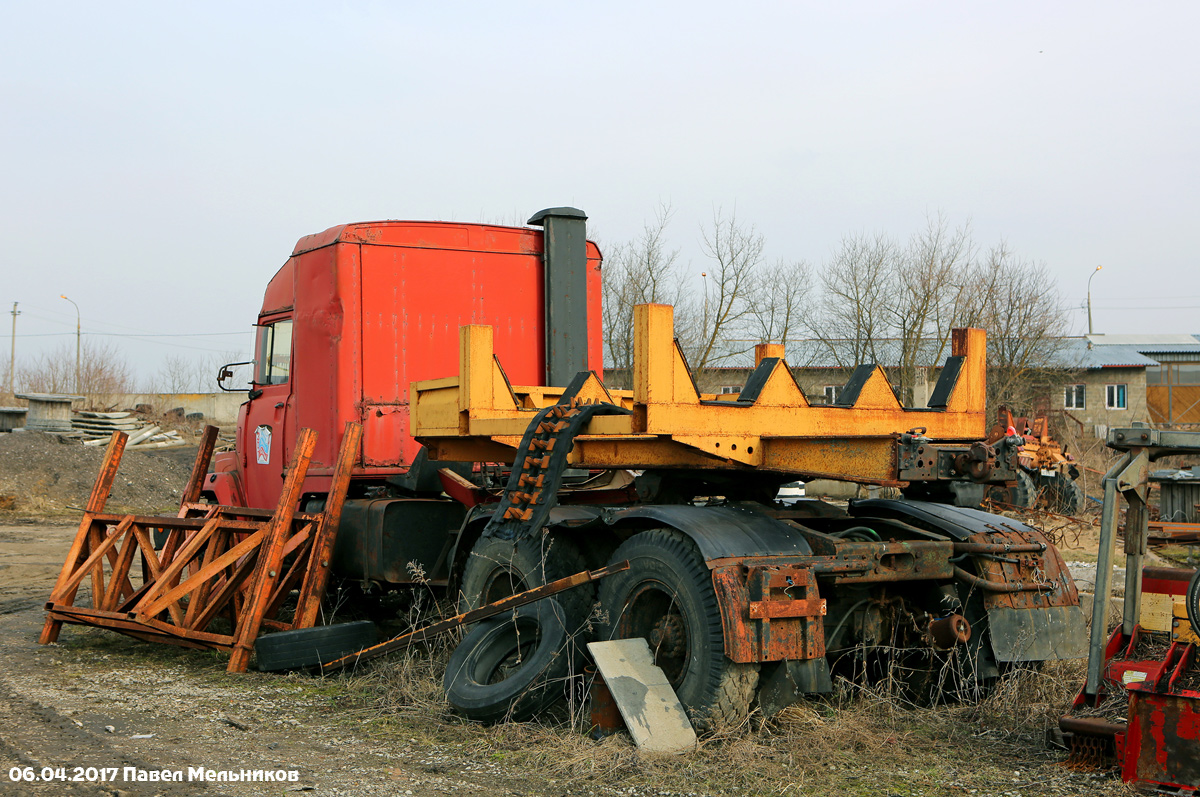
12,359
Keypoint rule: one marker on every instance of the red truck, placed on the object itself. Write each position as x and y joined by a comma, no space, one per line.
361,312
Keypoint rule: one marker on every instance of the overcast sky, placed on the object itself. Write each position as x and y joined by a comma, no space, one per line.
160,160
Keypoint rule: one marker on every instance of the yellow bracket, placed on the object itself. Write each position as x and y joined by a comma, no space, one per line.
769,425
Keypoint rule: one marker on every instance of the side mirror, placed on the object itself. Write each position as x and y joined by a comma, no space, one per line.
225,372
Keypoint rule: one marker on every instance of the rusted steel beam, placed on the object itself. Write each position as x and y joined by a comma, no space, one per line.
312,590
184,523
270,553
119,584
301,564
195,482
89,565
170,576
475,615
153,568
108,473
998,548
226,593
95,504
1090,726
155,603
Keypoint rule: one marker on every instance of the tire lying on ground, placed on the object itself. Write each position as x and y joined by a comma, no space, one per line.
666,597
309,647
498,568
511,666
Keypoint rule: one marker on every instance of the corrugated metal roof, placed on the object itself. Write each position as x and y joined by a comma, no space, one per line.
1077,354
1149,344
739,354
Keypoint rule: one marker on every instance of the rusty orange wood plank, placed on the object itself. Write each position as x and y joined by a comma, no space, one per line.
316,579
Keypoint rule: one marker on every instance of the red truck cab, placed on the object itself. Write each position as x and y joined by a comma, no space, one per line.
361,310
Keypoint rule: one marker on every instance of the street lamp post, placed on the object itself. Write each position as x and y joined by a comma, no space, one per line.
77,340
1090,298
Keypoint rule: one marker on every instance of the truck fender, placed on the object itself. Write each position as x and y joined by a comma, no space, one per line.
225,488
719,531
725,537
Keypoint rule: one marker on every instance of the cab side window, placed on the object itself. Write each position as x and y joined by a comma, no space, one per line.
274,353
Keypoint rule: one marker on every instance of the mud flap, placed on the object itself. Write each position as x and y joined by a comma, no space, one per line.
789,681
1037,634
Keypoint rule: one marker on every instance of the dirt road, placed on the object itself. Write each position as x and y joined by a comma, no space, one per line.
83,711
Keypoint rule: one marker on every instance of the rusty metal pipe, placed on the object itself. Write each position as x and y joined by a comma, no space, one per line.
992,586
1090,726
994,548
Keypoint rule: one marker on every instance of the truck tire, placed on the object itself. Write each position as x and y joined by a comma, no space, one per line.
498,568
666,597
1067,495
310,647
1021,495
511,666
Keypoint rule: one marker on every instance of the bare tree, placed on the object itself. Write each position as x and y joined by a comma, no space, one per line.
103,373
1018,302
641,271
780,301
181,374
856,294
924,290
735,250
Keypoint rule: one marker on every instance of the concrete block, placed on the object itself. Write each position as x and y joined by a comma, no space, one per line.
652,712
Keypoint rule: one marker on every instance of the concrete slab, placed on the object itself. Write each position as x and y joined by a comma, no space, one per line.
652,712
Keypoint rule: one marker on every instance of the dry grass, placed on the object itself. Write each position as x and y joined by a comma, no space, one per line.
854,742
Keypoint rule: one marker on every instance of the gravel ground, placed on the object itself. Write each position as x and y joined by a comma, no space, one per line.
39,475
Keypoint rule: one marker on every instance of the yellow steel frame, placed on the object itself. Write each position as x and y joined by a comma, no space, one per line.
480,416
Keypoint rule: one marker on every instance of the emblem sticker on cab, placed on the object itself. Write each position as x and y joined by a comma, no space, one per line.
262,445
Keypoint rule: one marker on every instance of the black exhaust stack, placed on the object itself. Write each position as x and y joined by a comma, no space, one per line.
565,259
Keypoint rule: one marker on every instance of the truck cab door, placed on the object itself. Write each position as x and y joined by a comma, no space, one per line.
265,440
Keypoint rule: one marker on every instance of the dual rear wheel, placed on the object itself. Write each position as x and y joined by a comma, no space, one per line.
665,597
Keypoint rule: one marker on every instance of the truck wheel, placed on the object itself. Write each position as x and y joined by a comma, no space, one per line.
666,597
1067,495
309,647
511,666
498,568
1021,495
